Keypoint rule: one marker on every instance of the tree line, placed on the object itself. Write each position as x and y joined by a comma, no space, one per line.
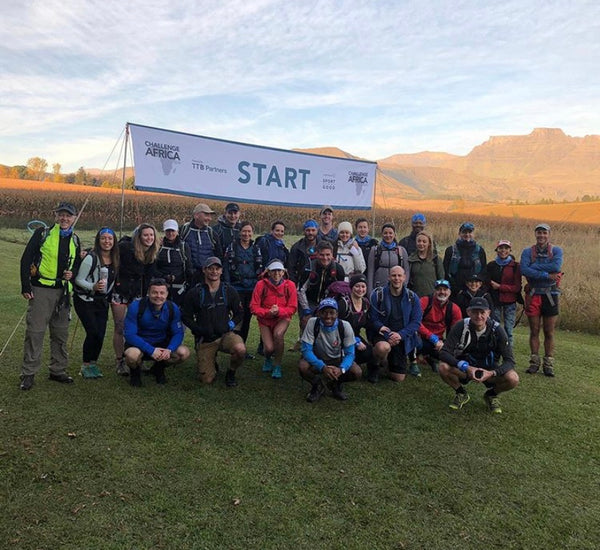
36,169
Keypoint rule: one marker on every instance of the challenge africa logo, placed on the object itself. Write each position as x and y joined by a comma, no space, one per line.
166,153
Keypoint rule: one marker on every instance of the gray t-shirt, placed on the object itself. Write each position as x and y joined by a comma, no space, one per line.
328,347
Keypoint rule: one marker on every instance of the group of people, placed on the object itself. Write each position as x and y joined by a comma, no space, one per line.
360,300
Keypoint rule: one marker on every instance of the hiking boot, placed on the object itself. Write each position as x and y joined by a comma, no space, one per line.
158,369
61,377
493,403
27,381
548,366
87,372
316,391
373,374
135,377
336,391
267,365
230,380
276,372
414,370
534,364
96,371
250,356
121,367
459,401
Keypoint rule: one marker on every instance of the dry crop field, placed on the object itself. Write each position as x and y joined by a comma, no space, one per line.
22,201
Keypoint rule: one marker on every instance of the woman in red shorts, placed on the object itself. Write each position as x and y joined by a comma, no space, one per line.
274,302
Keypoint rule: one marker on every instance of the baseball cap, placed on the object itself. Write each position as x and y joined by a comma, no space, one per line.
213,260
327,302
474,277
170,224
479,303
543,226
204,208
418,217
310,223
503,242
442,282
66,207
232,207
466,226
325,208
275,265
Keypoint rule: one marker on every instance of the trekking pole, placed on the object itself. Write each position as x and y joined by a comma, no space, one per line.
518,319
73,336
13,333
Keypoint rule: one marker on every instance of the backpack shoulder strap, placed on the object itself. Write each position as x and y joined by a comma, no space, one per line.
465,337
428,306
448,317
142,308
316,330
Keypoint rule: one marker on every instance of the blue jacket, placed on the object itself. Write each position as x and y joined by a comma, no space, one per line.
537,272
152,331
381,306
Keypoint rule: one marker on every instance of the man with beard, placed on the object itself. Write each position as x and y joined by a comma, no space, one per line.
212,310
439,315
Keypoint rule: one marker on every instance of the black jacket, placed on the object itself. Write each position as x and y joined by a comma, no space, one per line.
208,316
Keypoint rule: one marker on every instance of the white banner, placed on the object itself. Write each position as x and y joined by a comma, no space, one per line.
174,162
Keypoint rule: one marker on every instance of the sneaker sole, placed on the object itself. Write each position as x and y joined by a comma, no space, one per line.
456,407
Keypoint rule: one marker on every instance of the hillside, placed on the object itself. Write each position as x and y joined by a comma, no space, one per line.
545,164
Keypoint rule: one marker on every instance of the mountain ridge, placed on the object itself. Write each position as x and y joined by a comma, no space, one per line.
544,164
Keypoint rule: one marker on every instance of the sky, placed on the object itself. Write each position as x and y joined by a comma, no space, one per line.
374,78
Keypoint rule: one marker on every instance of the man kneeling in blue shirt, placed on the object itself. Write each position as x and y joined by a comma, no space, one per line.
153,330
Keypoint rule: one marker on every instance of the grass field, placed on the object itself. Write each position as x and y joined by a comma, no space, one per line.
99,464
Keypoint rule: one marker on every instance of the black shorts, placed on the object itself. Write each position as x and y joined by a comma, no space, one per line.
396,359
428,349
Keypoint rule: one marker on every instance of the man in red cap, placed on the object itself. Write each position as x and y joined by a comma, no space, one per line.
504,283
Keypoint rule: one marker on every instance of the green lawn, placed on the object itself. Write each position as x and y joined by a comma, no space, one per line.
99,464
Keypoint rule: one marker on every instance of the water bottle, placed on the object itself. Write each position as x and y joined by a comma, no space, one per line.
104,277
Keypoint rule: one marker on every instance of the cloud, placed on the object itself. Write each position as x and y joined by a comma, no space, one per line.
374,77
